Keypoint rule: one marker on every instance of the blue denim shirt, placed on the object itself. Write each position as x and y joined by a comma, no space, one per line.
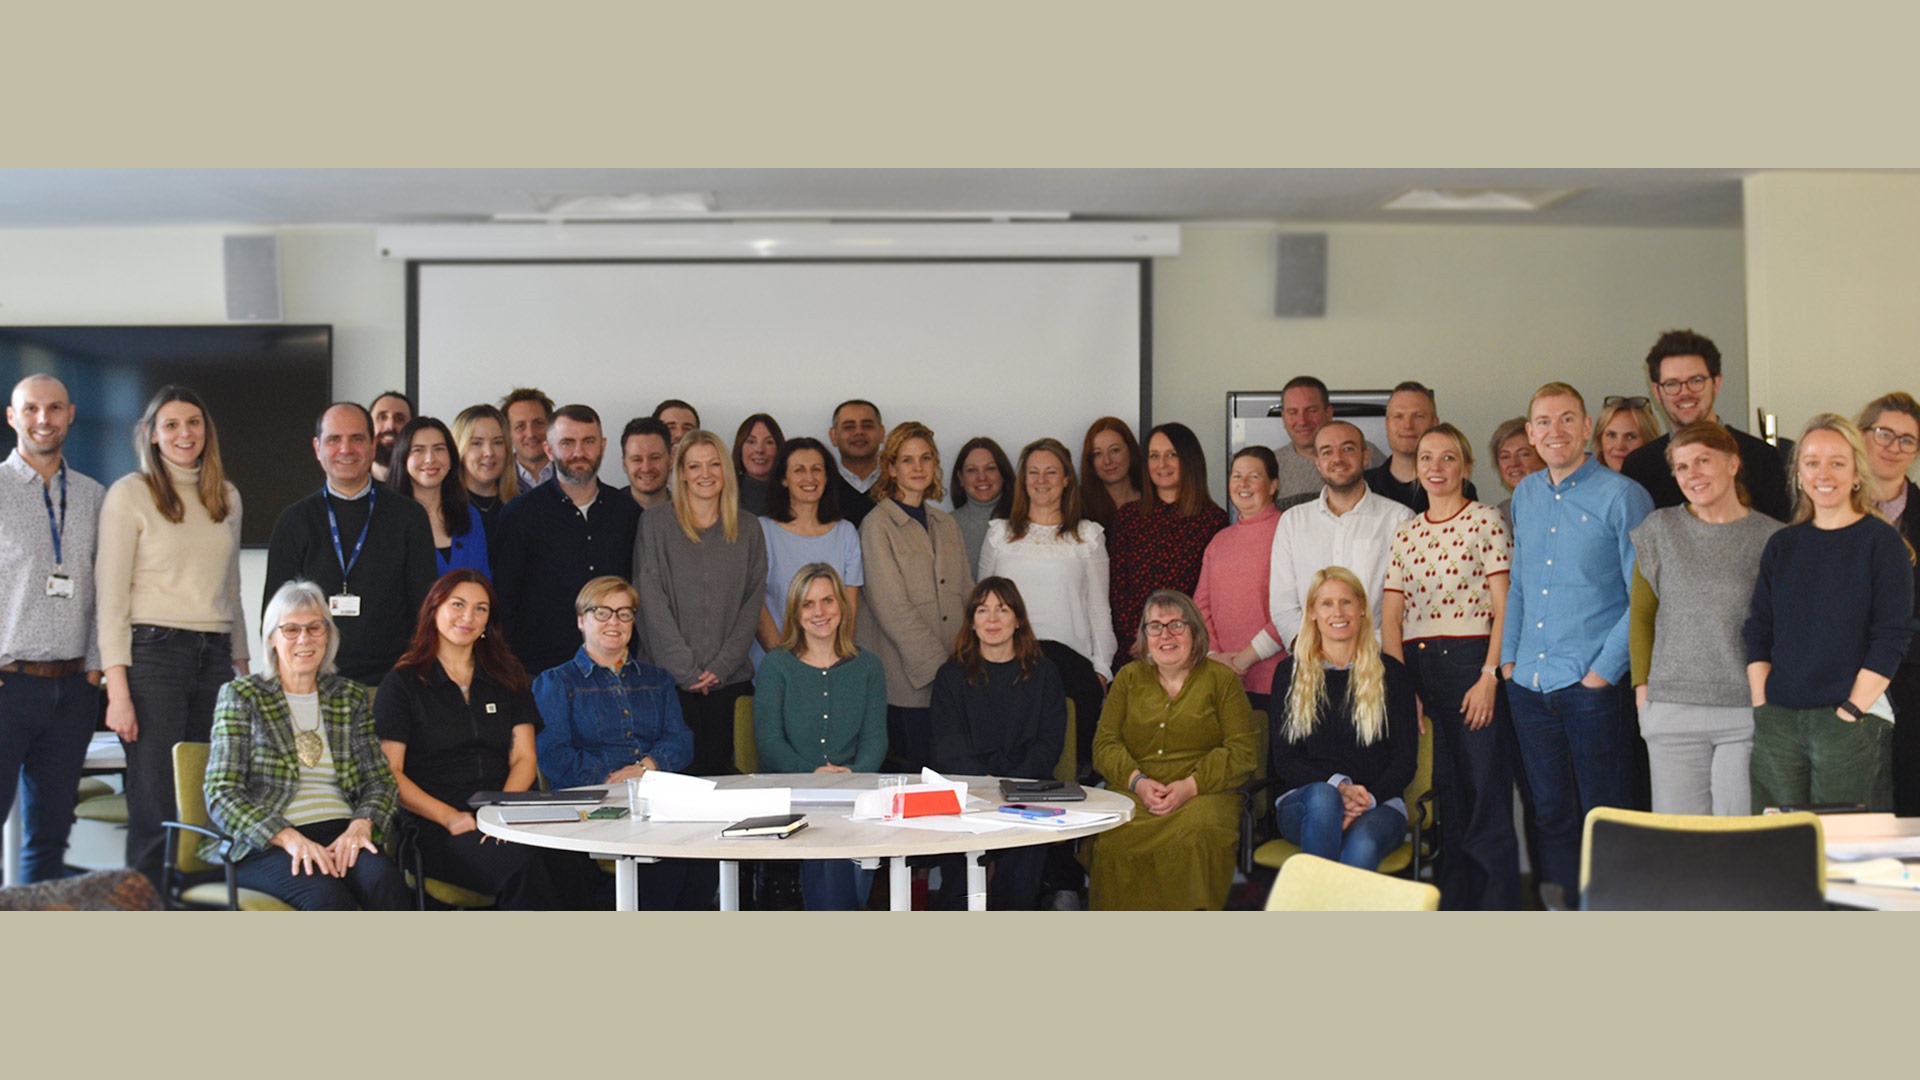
599,722
1572,564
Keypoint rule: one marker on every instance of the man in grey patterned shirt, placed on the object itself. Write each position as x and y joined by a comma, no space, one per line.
49,654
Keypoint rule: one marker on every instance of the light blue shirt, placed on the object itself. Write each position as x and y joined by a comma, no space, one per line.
1572,565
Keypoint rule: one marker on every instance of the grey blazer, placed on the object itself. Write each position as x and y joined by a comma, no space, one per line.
912,604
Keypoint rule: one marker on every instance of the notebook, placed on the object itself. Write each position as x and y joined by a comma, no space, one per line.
773,826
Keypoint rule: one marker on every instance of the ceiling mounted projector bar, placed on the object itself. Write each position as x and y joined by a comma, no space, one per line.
764,240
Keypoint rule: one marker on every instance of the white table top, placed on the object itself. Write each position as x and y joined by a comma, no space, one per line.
1842,831
828,835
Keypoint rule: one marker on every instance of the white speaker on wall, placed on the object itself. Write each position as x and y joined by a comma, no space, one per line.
1302,288
253,278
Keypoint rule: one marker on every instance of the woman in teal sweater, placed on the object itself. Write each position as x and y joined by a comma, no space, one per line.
820,705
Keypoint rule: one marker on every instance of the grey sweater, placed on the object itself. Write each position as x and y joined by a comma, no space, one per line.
699,602
1693,584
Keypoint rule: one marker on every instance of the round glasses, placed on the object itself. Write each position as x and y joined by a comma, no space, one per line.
1886,436
1674,386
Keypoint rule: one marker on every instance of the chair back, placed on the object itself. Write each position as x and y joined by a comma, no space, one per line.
1310,883
746,752
1066,770
1635,861
190,797
1422,773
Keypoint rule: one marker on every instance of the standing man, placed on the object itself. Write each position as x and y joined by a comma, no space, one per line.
1565,647
1684,370
372,554
556,538
1305,407
49,653
391,411
1411,413
679,417
1348,525
646,452
528,413
856,434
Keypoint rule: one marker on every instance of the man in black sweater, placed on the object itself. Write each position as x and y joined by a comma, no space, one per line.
1684,370
857,433
556,538
1411,413
372,551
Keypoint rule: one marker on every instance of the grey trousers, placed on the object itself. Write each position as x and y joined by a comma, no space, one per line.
1699,757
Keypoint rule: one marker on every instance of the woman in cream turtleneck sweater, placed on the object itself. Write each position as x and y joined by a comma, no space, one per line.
168,596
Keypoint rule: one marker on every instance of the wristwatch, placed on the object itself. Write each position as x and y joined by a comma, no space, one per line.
1851,709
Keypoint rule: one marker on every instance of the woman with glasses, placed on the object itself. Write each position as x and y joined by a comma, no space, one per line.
1891,423
1160,540
1178,736
610,718
295,766
1624,425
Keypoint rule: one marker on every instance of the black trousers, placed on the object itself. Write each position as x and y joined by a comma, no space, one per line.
373,884
1013,879
710,715
522,878
1904,692
909,739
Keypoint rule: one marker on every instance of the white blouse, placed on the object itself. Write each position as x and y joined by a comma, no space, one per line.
1063,582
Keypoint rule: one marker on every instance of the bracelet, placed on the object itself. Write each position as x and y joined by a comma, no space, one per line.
1491,669
1134,786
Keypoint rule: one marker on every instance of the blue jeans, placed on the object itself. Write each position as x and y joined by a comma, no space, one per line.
44,728
1579,747
1473,774
1310,816
174,679
834,885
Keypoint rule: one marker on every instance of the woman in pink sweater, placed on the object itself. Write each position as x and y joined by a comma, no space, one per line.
1232,592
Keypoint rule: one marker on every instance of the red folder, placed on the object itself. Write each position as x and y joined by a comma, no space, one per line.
926,803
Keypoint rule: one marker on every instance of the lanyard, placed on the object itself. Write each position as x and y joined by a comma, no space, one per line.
333,525
56,527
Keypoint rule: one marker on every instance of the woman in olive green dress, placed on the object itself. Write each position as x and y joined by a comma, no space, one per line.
1178,735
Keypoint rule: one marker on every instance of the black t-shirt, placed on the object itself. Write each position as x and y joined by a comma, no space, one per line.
1413,494
455,746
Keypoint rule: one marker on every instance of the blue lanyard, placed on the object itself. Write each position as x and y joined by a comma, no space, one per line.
56,527
333,525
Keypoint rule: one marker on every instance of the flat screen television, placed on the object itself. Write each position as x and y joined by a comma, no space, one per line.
263,384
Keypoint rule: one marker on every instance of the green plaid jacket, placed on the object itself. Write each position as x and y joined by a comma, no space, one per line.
252,771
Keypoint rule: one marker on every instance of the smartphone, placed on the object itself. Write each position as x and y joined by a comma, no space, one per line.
608,813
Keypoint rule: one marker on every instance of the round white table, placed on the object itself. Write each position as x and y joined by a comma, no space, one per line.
828,835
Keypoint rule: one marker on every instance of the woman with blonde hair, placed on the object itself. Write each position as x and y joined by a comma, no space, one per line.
701,571
1343,744
914,601
1624,425
486,460
1830,621
167,603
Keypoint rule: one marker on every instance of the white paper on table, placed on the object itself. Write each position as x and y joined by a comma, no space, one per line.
673,781
731,804
1888,873
1889,847
824,796
1072,819
872,805
952,823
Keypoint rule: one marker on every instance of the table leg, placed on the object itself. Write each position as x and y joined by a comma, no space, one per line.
899,884
976,881
626,885
729,886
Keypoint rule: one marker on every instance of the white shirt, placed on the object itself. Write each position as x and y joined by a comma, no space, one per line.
860,483
1064,584
529,481
1310,538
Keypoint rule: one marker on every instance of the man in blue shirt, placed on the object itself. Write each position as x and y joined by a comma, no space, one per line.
1565,642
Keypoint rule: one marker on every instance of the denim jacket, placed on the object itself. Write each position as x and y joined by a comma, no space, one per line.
599,722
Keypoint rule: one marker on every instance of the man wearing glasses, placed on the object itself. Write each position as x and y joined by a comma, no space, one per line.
1684,370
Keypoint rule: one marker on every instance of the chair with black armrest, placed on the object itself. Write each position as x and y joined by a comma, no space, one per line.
407,856
188,881
746,752
1407,860
1635,861
1310,883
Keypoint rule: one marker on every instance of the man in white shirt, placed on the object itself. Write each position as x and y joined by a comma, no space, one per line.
528,413
1347,525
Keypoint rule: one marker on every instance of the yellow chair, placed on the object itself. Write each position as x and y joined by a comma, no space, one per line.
1310,883
457,897
188,880
746,752
1636,861
1406,860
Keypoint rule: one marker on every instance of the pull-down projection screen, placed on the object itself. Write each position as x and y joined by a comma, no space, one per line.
1013,350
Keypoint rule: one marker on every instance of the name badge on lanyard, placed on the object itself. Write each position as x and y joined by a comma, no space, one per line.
59,585
344,604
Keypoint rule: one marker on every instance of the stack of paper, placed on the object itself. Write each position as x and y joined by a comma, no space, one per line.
678,797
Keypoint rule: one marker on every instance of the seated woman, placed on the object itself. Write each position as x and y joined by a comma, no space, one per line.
456,716
820,706
609,718
294,765
1178,736
998,710
1344,742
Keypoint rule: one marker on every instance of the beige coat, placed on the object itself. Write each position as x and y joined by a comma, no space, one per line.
912,604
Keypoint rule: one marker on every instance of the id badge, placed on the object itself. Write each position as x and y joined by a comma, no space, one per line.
60,585
343,605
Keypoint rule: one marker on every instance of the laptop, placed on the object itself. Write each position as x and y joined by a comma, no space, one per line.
1025,791
569,797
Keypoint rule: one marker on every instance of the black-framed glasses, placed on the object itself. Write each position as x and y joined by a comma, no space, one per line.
1674,386
1171,626
1886,436
601,613
1630,402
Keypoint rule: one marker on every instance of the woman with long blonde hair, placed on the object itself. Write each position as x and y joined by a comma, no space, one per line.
1343,743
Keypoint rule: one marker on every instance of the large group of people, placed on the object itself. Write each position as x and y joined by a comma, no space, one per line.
1690,622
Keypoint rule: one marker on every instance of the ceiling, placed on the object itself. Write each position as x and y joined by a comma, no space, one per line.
292,197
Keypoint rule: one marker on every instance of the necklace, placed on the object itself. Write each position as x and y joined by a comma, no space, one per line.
307,745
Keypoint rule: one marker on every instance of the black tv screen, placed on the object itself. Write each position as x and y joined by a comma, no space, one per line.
263,384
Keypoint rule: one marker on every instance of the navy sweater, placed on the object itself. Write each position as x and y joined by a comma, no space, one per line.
1384,768
1827,603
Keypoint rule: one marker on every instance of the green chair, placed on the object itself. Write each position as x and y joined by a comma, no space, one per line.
746,752
1310,883
1406,860
187,881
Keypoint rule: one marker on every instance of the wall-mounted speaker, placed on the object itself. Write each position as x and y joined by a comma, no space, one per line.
253,278
1302,290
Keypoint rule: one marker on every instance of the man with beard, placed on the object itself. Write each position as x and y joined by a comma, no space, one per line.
49,656
856,434
556,538
1348,525
373,554
391,412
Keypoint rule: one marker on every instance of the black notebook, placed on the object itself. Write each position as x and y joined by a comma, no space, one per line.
773,826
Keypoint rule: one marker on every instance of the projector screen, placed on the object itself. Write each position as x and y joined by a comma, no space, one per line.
1014,350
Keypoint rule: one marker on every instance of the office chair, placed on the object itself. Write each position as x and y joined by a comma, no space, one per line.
1406,860
188,881
746,752
1310,883
1636,861
407,856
